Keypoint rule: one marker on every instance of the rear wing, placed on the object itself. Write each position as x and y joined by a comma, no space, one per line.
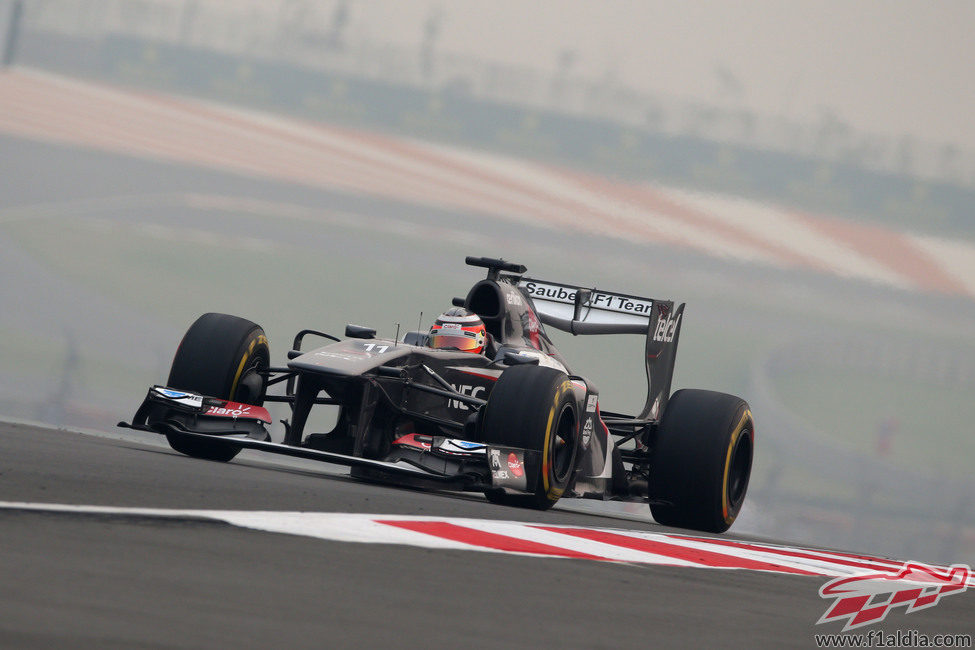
579,310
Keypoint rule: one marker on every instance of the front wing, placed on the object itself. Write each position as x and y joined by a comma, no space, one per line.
182,413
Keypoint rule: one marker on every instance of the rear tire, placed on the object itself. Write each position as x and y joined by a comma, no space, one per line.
220,356
532,407
702,461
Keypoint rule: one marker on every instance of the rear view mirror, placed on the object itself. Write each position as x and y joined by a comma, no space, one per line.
359,332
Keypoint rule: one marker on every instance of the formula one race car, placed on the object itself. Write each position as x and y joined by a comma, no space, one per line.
491,408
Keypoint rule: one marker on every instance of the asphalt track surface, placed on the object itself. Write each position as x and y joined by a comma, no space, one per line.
101,581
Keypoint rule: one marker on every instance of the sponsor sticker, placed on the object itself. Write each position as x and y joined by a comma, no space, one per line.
587,432
466,444
598,299
507,468
464,389
623,304
515,465
235,411
666,328
179,397
452,445
414,440
173,394
551,292
348,354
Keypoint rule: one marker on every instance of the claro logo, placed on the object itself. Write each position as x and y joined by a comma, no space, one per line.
237,411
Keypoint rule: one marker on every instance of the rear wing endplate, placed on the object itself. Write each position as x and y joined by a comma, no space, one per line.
579,310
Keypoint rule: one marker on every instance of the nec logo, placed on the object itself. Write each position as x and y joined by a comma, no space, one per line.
666,328
464,389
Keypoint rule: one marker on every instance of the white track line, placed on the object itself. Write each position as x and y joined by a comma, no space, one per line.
537,540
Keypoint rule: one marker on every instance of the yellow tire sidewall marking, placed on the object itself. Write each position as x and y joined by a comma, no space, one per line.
551,491
746,417
243,362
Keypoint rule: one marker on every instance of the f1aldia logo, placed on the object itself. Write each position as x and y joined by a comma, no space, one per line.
867,599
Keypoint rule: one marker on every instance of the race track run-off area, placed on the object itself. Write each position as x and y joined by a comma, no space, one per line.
48,107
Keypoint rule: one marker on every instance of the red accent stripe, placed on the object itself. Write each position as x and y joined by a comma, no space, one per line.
796,553
847,606
891,249
676,551
146,124
495,541
924,601
871,614
568,210
385,144
477,196
482,376
232,142
409,440
894,564
657,202
905,596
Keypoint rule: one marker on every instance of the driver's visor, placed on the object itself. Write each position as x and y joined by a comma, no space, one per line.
444,341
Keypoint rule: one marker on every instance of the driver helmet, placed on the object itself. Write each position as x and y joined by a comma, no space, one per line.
459,329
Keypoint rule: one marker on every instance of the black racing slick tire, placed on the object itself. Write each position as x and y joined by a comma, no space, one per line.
702,461
532,407
220,356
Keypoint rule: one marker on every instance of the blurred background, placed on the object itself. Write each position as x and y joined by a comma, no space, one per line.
801,174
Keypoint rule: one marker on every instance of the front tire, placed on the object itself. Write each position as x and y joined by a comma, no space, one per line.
220,356
532,407
702,461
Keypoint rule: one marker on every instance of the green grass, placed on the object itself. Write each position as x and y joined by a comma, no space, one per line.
931,426
40,362
175,280
25,355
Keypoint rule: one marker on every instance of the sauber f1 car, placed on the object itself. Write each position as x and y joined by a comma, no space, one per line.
511,421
